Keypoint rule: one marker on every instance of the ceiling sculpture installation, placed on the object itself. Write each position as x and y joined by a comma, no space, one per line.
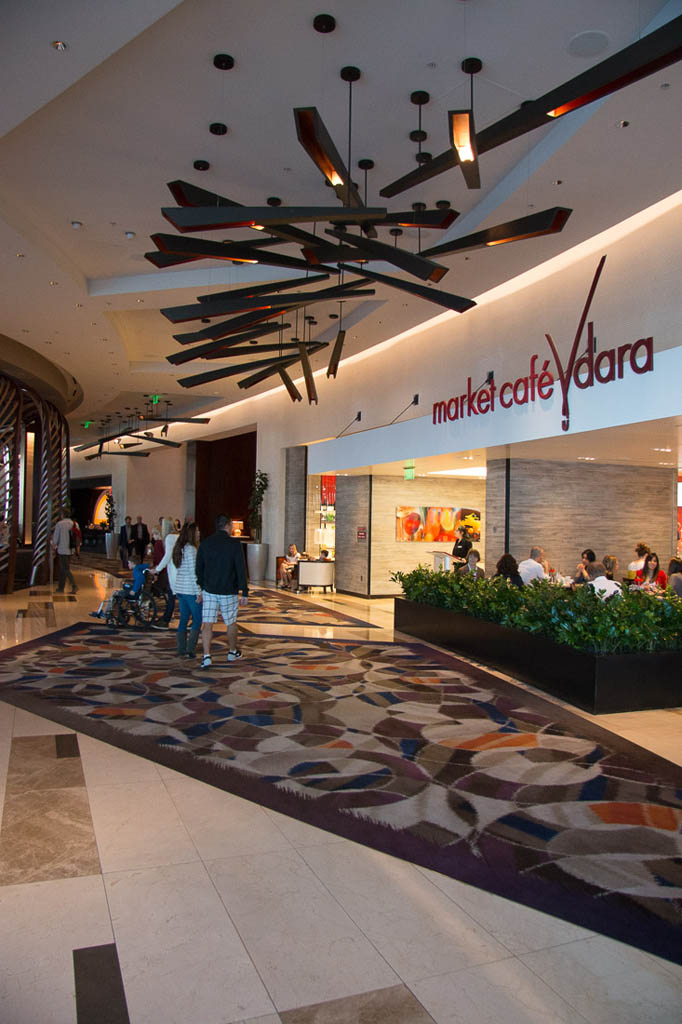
351,238
136,424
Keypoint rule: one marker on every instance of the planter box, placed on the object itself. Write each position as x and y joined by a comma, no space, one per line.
598,683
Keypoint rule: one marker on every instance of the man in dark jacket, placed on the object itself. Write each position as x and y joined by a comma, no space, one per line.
140,538
222,578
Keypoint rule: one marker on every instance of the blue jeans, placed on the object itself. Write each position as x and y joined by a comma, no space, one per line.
189,608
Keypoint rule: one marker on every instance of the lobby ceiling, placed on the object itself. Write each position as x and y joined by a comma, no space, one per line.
93,132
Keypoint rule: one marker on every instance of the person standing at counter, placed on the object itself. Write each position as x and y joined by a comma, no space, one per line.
532,568
471,567
462,547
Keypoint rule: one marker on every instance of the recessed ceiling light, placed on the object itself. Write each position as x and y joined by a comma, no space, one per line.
588,44
324,23
586,458
201,165
129,234
223,61
666,463
79,305
53,283
20,255
218,128
622,124
59,45
661,449
76,224
25,330
139,300
93,323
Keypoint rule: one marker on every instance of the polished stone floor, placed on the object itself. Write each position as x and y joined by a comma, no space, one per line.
129,892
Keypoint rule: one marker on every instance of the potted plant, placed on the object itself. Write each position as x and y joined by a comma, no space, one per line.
256,551
110,538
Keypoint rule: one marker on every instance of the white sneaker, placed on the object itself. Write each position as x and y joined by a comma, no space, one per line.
234,655
206,661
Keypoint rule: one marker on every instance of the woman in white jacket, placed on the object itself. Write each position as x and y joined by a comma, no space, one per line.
185,585
169,539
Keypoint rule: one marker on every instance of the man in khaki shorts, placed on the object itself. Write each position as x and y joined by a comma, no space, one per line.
222,577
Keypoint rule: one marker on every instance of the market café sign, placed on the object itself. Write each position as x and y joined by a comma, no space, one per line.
602,367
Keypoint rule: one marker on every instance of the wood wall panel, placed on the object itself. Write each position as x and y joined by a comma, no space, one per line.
225,471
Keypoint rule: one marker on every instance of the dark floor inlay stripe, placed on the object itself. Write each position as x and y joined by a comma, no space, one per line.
100,995
67,745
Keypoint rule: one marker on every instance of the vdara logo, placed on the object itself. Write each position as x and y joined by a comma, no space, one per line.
602,367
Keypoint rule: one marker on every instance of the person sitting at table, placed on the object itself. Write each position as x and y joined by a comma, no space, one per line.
324,555
508,568
599,581
470,567
675,576
651,577
532,568
610,563
287,570
462,547
581,573
641,550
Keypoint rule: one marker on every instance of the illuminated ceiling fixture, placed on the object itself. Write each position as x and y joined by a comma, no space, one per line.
317,142
462,131
266,367
211,218
546,222
644,57
224,304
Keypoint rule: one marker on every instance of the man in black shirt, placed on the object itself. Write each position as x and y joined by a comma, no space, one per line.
222,578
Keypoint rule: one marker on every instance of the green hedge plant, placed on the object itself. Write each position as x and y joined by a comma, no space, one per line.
636,621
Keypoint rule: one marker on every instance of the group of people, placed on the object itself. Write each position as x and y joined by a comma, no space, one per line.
644,573
207,577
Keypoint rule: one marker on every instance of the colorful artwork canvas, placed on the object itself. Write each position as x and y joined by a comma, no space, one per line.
435,523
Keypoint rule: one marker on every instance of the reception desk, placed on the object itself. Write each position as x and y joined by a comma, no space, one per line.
441,560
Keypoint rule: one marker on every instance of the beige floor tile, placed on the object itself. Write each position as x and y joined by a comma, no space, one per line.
223,825
105,765
40,925
28,724
138,826
418,930
33,764
299,833
181,957
521,929
506,992
609,983
305,947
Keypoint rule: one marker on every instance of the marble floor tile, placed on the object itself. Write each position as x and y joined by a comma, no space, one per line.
33,764
395,1005
610,983
104,764
506,992
40,925
180,955
28,724
138,826
305,947
7,713
418,930
299,833
223,825
47,834
521,929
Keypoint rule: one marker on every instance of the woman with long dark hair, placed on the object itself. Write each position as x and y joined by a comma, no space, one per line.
651,576
187,589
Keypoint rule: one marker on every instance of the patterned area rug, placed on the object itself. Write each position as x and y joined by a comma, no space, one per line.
276,606
399,747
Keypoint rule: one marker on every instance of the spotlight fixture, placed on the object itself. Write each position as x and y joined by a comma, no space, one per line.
76,224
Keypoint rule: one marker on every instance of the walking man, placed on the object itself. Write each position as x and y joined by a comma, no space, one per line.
126,541
61,544
141,538
222,577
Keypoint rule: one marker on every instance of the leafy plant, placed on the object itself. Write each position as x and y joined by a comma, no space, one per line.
635,621
110,513
255,520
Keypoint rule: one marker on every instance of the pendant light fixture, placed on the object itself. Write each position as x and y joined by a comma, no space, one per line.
546,222
462,131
